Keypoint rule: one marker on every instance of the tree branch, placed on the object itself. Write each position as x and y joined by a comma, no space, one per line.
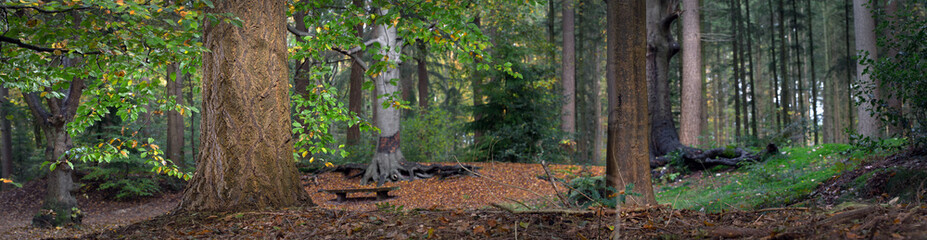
73,99
39,49
298,32
39,112
43,10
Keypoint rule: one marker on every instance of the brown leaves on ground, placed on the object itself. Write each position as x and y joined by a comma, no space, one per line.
467,192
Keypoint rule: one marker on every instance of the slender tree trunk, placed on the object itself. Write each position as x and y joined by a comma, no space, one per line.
423,99
476,79
6,137
889,91
814,83
774,69
568,71
628,136
355,95
247,160
799,70
847,85
587,83
784,95
691,119
829,79
738,68
752,76
175,127
864,24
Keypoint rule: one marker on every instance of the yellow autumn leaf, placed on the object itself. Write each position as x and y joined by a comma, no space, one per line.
43,94
329,164
312,159
305,153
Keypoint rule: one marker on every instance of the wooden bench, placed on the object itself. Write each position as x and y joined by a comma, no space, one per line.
382,192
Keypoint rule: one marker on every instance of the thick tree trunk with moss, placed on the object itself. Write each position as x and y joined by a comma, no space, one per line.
247,150
628,142
60,207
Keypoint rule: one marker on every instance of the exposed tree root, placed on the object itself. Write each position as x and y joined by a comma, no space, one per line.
696,158
403,171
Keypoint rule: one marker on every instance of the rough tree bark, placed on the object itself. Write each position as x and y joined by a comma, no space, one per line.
628,135
6,146
60,207
247,150
691,119
175,78
355,95
864,24
568,71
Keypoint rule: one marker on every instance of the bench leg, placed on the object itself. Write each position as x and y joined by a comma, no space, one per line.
342,197
382,195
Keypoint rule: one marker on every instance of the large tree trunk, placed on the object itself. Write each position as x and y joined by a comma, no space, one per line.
568,71
864,24
175,79
6,146
247,159
355,95
627,156
660,48
691,119
587,84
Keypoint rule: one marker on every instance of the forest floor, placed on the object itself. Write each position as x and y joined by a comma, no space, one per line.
458,207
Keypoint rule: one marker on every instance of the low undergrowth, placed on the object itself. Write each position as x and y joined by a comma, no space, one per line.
785,179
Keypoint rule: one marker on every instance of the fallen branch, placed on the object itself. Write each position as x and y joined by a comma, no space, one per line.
849,215
560,211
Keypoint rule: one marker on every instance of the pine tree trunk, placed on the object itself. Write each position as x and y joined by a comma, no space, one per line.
864,24
785,96
175,138
247,160
799,70
691,119
752,82
814,82
628,136
568,71
774,69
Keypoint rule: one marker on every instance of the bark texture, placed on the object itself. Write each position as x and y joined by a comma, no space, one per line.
175,79
864,24
691,119
247,151
568,71
628,142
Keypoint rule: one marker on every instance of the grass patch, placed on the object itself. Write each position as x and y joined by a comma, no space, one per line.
781,180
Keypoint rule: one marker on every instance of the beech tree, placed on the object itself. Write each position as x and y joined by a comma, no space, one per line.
868,124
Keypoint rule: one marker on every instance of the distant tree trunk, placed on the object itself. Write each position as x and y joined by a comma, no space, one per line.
814,82
785,96
799,70
193,132
550,32
773,68
864,25
738,68
355,95
175,78
301,78
422,62
568,71
850,66
58,208
476,79
752,76
691,119
587,83
6,137
247,160
892,99
628,136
